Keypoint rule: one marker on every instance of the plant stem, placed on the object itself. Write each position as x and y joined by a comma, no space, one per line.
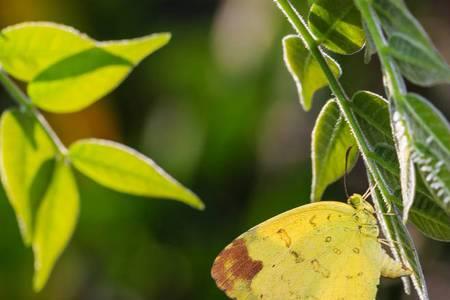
341,97
394,80
16,93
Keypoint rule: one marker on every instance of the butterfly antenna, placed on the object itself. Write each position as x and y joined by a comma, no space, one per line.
347,154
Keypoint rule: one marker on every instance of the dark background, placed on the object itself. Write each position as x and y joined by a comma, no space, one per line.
217,109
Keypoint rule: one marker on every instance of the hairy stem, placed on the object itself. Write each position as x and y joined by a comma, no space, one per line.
16,93
341,97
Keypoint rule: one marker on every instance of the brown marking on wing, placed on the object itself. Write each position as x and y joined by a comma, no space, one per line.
284,236
297,256
318,268
233,264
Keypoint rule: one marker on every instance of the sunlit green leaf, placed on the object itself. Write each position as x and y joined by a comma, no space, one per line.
305,70
135,50
331,138
337,25
372,113
404,148
55,222
123,169
68,71
431,139
81,79
28,48
416,56
26,164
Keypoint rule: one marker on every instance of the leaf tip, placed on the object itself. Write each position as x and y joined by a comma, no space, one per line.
39,277
194,201
163,37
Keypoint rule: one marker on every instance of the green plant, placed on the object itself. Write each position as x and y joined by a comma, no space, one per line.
66,71
404,141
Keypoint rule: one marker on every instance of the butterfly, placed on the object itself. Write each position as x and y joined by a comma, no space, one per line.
320,251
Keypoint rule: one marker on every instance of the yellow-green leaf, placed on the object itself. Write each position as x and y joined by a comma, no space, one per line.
125,170
66,70
26,164
135,50
305,70
337,25
81,79
55,222
28,48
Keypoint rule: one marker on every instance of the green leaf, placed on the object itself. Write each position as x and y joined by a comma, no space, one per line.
403,144
55,222
425,213
27,49
372,114
416,55
68,71
337,25
396,18
77,81
429,217
305,70
26,163
125,170
420,64
401,243
430,133
331,138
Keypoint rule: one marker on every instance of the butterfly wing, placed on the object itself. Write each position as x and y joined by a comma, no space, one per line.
315,251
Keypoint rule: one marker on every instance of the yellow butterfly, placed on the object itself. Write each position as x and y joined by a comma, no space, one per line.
321,251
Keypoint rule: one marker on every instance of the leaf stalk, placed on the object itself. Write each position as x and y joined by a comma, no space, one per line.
16,93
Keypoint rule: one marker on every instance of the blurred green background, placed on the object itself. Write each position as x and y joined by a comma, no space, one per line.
217,109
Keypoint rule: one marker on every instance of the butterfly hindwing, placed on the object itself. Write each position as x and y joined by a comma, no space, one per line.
312,252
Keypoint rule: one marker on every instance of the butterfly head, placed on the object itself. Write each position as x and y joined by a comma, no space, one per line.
359,203
364,215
